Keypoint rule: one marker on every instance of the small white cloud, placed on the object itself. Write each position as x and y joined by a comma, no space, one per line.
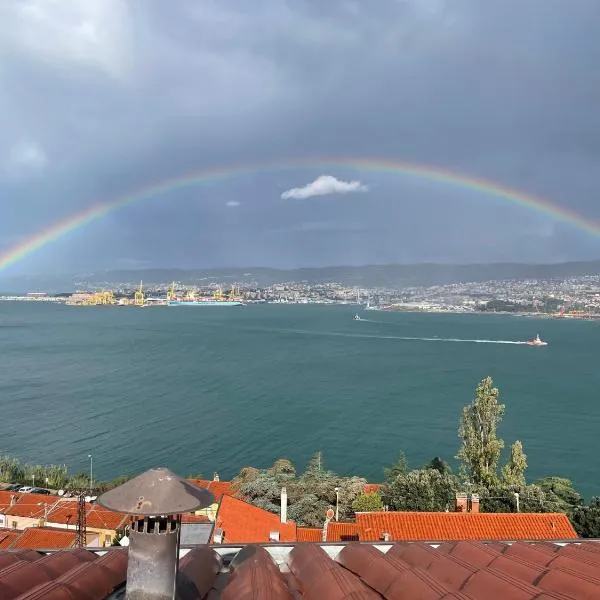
323,186
27,154
232,203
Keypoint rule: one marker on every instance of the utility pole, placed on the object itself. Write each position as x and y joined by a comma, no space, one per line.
81,538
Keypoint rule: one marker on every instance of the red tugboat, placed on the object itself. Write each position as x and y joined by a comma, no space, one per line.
536,341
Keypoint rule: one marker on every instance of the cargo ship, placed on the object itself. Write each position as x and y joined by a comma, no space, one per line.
207,302
190,299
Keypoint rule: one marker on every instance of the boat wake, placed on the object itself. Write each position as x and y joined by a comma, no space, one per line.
397,337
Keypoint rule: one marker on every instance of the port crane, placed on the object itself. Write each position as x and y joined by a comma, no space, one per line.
139,296
171,293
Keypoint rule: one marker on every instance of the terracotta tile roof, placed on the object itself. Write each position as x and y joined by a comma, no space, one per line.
100,518
7,537
32,506
372,487
74,574
423,526
244,523
45,538
309,534
450,571
340,532
218,488
188,518
97,517
5,499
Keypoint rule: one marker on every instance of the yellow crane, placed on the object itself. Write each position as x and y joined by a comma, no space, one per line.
139,296
171,294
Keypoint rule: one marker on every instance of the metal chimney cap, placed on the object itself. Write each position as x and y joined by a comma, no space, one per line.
156,492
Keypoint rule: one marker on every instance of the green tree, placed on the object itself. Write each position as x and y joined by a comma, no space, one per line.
421,490
309,511
438,464
245,475
400,467
80,481
103,486
586,519
11,470
283,468
480,448
369,502
562,492
513,472
502,499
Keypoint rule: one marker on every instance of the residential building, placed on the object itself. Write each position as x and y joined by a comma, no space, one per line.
98,520
26,510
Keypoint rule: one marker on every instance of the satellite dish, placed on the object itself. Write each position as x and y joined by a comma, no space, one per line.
329,514
124,541
61,492
87,498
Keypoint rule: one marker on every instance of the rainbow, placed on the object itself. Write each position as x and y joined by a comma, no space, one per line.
382,165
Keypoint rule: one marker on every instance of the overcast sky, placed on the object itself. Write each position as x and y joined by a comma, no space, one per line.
99,98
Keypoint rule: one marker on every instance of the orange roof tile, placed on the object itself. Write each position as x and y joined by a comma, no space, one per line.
100,518
7,537
97,517
243,522
218,488
414,526
309,534
45,538
5,499
372,487
32,506
64,513
189,518
335,531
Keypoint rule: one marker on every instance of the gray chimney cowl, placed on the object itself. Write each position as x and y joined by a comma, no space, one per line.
156,492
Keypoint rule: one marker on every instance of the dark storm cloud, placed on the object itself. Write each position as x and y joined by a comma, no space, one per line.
100,98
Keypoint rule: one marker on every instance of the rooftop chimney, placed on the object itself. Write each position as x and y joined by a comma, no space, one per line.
461,502
283,505
155,499
218,536
474,503
216,477
13,499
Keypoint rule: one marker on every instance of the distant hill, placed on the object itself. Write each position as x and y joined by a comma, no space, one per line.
386,276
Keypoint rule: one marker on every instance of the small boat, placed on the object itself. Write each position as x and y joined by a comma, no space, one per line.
357,317
536,341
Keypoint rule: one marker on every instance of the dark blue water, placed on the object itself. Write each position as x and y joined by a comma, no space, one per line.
214,389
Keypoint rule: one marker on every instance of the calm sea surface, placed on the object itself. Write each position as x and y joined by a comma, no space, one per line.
202,390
